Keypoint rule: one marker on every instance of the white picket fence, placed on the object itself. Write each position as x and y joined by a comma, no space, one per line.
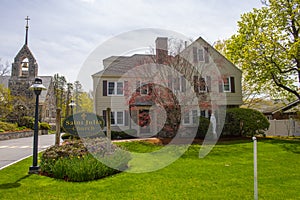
287,127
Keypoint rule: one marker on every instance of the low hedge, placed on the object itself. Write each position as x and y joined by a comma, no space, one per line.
78,161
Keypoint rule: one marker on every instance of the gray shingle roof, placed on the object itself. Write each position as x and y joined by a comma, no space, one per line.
119,65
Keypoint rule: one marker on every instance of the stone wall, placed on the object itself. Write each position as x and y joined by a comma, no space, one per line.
14,135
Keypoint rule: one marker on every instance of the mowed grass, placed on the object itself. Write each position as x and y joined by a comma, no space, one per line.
226,173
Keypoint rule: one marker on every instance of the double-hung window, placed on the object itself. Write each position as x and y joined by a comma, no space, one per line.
117,118
115,88
190,117
227,84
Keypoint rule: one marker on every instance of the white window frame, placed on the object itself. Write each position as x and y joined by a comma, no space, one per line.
114,114
190,117
115,90
186,114
181,79
200,58
141,89
228,83
206,115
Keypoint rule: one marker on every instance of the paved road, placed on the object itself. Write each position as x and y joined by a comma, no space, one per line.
16,149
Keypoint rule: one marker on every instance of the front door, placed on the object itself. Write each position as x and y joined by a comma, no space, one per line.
144,121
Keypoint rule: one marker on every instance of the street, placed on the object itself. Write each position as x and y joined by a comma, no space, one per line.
16,149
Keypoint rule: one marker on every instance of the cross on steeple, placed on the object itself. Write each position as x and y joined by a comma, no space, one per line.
26,34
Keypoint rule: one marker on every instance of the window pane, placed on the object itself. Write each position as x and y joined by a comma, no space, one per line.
111,88
200,55
203,113
202,85
144,88
195,116
120,119
186,118
120,88
227,84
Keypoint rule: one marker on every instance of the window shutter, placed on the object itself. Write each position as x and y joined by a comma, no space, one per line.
206,55
232,84
208,83
196,85
104,88
104,116
126,118
195,54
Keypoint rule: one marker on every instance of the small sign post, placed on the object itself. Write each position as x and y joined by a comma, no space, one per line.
84,124
255,167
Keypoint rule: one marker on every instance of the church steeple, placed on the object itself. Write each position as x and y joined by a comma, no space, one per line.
24,65
26,34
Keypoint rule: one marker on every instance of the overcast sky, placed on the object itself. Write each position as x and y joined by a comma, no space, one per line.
62,33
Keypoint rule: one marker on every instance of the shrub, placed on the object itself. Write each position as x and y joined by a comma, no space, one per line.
67,136
127,134
72,161
203,127
245,122
5,126
26,121
44,126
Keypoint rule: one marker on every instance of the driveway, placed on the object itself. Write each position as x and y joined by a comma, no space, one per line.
13,150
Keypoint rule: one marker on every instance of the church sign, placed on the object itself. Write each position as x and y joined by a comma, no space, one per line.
83,124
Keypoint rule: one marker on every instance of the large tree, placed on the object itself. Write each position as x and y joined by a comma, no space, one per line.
267,48
6,102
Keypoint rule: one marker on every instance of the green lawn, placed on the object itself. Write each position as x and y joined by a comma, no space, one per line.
226,173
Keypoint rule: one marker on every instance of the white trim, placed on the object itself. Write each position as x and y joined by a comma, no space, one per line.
229,84
115,88
198,55
191,117
114,114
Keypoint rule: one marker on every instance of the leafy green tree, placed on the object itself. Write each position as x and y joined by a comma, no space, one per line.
85,102
6,101
267,48
59,90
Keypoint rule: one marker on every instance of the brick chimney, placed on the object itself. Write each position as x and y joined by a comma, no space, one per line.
161,44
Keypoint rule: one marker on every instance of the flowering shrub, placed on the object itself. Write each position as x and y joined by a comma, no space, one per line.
73,161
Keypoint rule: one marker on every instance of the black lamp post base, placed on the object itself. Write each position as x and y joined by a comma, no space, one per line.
34,170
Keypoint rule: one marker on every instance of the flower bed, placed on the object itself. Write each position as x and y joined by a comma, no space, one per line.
73,161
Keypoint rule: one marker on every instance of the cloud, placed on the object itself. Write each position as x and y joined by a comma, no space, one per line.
62,34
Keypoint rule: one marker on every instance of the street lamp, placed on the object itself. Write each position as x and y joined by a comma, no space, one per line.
37,87
72,104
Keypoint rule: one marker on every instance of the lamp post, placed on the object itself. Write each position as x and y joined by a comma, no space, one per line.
37,87
72,105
